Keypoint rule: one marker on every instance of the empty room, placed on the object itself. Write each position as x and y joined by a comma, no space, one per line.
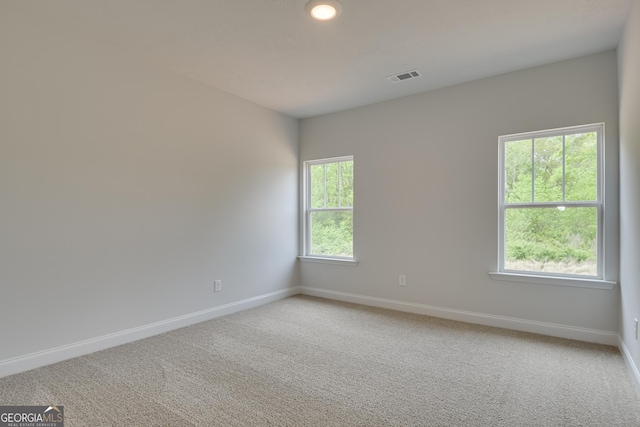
319,213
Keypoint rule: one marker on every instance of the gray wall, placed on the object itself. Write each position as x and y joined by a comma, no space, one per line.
125,191
629,68
426,177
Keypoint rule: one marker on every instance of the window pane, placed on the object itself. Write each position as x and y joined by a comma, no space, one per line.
332,233
317,186
581,167
518,171
548,171
346,184
551,240
333,188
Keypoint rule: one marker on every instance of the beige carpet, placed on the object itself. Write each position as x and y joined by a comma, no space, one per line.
306,361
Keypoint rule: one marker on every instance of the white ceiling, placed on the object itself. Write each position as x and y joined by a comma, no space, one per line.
272,53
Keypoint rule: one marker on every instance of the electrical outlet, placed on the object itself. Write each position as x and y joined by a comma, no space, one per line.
402,280
636,321
217,286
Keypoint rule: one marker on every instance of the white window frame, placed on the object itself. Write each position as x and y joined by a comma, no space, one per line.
308,210
597,281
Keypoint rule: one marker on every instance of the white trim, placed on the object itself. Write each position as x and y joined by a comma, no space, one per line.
628,360
524,325
329,160
577,282
553,132
339,261
46,357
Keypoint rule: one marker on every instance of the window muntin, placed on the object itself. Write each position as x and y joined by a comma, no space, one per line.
550,202
328,224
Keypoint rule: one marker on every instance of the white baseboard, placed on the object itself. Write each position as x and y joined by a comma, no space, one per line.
543,328
46,357
628,360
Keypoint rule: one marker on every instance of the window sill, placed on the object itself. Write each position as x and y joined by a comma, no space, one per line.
320,260
550,280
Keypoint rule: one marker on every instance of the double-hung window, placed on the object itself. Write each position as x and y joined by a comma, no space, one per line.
551,206
328,208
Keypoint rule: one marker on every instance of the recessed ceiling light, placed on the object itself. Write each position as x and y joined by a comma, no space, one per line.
324,10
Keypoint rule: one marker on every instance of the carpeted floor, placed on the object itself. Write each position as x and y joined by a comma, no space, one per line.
306,361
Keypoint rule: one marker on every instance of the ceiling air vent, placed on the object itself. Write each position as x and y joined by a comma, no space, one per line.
405,76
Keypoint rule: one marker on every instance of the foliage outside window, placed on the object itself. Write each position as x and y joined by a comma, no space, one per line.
329,208
551,208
